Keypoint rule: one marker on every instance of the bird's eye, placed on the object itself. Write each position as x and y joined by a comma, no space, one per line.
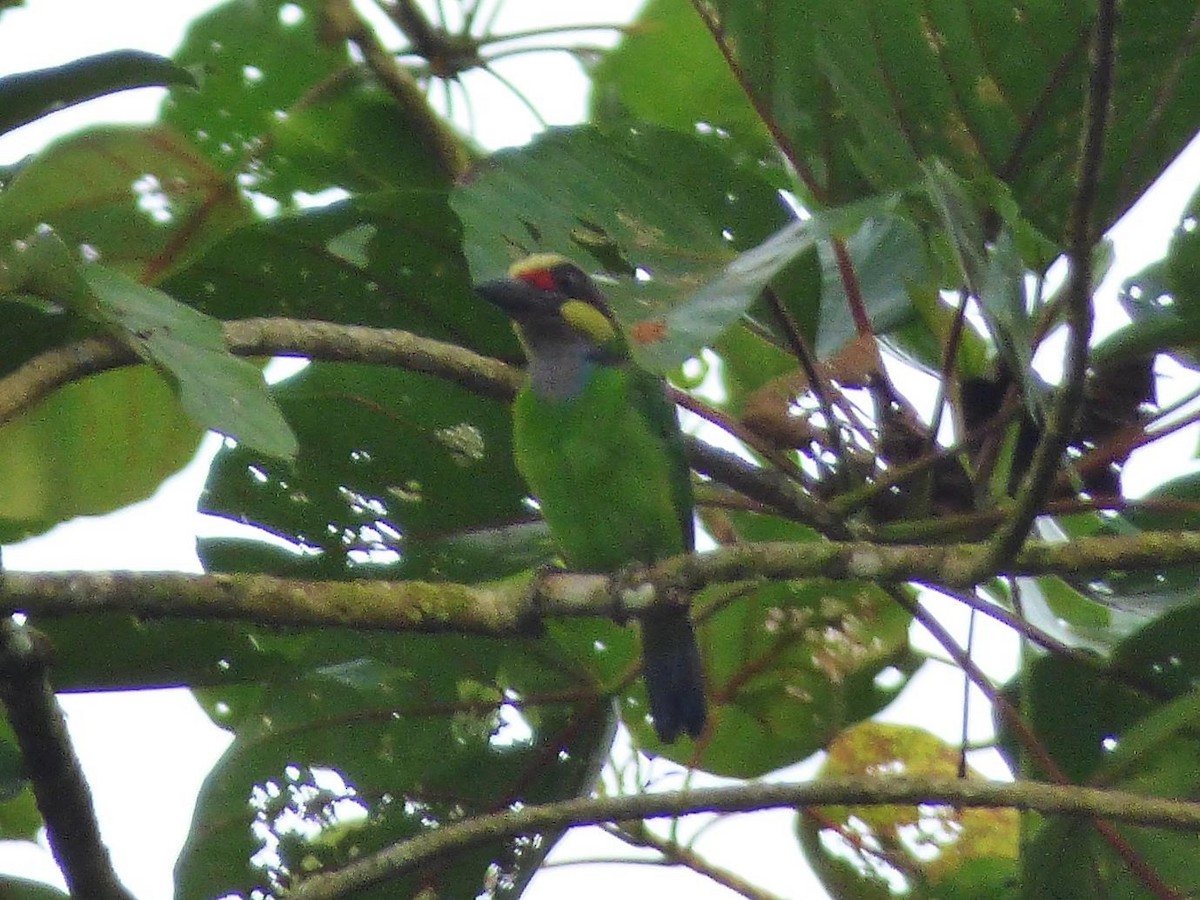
573,282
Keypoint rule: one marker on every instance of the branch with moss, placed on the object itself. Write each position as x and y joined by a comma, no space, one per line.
516,605
959,793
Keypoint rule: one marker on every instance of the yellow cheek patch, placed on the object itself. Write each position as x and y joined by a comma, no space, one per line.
588,321
538,262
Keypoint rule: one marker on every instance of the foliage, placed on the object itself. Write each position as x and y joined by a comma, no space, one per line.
934,150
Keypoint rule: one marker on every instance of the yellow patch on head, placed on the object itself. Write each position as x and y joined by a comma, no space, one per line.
588,320
538,262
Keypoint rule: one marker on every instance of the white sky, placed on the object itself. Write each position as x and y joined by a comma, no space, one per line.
145,780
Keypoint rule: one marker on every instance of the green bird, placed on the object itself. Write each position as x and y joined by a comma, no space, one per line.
597,440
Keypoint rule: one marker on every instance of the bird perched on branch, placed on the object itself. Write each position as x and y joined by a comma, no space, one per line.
597,440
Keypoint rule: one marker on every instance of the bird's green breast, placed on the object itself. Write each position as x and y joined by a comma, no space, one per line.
603,475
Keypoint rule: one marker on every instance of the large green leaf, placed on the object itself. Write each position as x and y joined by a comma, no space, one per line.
1073,713
1158,755
92,447
136,197
389,259
669,71
218,390
142,201
860,93
257,63
386,458
669,212
349,758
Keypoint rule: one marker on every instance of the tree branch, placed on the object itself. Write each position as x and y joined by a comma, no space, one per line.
960,793
34,381
23,388
514,606
61,790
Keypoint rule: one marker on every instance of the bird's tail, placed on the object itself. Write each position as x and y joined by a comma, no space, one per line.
674,674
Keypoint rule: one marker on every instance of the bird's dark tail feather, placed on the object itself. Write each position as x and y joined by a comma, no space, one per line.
674,674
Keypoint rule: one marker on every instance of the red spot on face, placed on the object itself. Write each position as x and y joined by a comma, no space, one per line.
539,278
649,332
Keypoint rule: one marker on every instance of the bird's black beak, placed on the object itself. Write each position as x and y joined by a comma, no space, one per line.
518,300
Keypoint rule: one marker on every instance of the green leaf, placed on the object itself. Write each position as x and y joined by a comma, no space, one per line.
391,259
858,94
218,390
1073,711
888,256
257,61
91,447
701,235
14,888
406,736
356,139
695,89
42,266
1157,755
30,95
138,198
1166,653
388,459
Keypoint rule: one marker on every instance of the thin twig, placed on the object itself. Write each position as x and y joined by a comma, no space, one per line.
808,364
1060,424
637,834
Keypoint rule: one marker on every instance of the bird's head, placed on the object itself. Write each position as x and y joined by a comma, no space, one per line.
556,308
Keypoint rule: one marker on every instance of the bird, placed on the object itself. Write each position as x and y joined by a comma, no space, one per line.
597,440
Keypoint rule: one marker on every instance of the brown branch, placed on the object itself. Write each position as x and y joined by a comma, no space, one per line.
58,782
960,793
34,381
23,388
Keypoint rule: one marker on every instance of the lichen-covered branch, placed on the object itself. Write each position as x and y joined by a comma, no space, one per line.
514,606
960,793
